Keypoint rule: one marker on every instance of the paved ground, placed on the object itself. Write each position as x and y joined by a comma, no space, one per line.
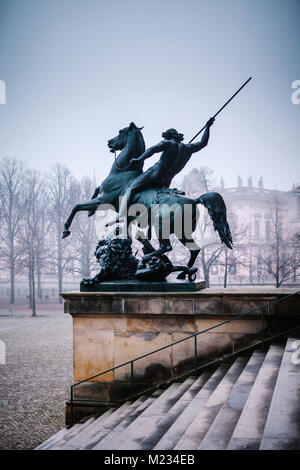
34,382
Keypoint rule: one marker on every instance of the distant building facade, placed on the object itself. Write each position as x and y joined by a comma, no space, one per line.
259,218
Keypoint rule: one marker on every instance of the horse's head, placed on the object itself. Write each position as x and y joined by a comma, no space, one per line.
120,141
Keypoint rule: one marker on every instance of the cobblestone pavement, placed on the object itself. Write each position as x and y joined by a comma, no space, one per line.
34,382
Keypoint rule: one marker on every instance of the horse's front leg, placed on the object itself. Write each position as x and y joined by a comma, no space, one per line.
85,206
96,194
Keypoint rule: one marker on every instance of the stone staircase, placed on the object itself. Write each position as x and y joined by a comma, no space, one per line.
250,403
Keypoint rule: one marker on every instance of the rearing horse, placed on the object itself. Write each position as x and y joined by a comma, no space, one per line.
131,143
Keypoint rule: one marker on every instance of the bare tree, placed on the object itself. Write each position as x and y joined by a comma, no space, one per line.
61,196
197,182
230,260
35,234
84,237
11,213
211,249
280,258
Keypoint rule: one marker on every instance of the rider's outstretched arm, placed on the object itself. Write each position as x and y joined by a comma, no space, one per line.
205,138
151,151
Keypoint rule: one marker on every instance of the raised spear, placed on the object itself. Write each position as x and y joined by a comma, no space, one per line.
224,105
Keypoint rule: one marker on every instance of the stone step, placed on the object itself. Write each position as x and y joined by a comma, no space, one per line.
53,439
88,433
133,430
282,430
111,440
112,424
151,417
154,433
249,429
64,434
74,431
221,430
94,432
176,431
205,416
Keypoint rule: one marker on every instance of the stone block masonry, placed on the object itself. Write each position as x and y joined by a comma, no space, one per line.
112,328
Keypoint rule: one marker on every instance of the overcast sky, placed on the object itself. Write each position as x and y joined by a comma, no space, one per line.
77,71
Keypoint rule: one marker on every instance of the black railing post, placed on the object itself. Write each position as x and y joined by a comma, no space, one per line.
195,355
131,382
71,406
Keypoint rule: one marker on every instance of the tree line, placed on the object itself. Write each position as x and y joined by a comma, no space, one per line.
33,210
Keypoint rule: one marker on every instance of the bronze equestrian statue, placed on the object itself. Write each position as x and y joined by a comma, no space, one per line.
124,172
127,183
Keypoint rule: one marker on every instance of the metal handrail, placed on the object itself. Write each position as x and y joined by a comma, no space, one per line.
131,362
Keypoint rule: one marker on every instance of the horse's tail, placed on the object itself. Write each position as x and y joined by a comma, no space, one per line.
216,207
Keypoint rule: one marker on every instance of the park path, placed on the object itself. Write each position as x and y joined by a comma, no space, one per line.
35,380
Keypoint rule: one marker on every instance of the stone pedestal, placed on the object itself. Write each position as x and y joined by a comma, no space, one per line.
116,327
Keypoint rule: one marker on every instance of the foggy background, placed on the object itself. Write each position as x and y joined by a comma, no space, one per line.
77,71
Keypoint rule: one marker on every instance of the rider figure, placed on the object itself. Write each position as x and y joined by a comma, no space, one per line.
175,155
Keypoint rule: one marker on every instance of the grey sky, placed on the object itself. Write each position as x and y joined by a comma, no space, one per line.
77,71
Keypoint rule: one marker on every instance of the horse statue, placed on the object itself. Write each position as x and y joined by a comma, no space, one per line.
131,143
157,202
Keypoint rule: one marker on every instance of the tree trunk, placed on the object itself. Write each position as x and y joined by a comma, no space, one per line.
12,271
39,282
30,284
85,264
226,268
206,277
60,285
59,268
33,291
204,267
12,281
225,278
